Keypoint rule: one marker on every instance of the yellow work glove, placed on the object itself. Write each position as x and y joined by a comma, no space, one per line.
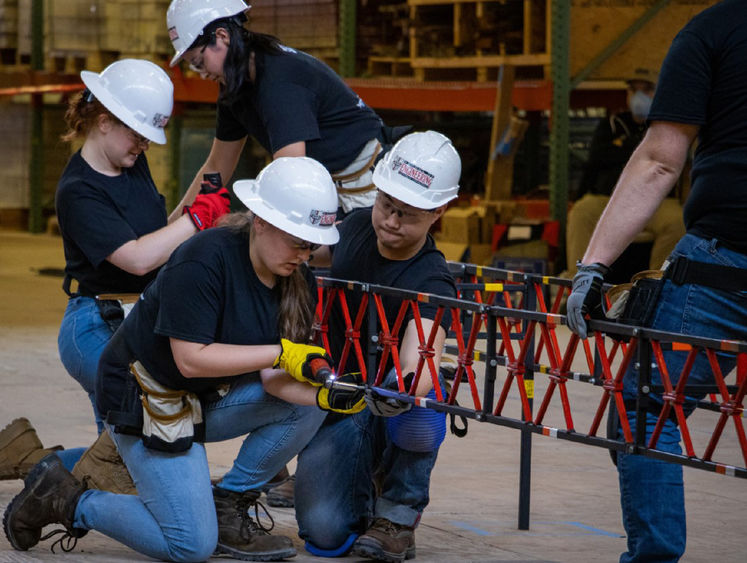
298,361
345,398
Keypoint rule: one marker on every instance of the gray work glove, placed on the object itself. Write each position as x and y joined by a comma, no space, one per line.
586,295
385,406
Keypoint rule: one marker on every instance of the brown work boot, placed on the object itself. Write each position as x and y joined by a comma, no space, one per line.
49,496
243,537
20,449
386,541
280,490
101,467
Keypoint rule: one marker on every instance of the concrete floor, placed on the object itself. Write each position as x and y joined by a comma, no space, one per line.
575,514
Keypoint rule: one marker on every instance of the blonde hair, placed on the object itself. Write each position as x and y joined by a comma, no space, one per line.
296,313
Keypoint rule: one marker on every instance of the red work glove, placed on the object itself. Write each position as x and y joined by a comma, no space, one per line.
208,207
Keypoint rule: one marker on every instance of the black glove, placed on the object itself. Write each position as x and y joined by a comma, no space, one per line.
586,295
341,399
211,183
385,406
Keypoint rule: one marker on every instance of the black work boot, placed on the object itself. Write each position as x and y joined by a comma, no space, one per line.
280,490
386,541
240,536
49,496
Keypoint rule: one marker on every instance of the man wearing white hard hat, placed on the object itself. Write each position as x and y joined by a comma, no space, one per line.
387,245
221,333
114,225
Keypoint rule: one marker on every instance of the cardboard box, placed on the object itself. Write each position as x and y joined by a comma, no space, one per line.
461,224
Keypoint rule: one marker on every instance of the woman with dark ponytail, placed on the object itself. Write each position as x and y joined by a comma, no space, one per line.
290,102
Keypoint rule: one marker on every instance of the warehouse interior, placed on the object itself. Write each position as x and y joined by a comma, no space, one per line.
492,75
519,86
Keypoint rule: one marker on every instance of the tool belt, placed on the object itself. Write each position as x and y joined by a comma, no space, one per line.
172,419
342,179
726,278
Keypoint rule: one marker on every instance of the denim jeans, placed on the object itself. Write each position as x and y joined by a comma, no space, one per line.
173,515
81,340
651,491
335,495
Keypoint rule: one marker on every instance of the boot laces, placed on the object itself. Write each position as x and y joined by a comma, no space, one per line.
386,526
67,541
249,525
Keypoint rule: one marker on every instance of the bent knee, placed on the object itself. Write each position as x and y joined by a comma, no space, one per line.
193,547
322,527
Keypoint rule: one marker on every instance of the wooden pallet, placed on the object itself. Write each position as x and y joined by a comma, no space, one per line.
389,66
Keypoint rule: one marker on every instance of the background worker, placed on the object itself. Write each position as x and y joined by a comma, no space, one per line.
387,245
614,141
702,92
290,102
114,226
230,306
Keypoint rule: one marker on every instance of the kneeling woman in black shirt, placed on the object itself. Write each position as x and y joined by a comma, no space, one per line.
231,306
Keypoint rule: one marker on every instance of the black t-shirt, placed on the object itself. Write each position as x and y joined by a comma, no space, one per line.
356,257
97,214
703,82
299,98
614,140
207,292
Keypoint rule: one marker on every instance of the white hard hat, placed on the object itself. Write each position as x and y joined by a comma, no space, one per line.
421,170
185,20
138,92
296,195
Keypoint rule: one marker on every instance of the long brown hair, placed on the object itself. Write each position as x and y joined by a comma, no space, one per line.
82,112
296,313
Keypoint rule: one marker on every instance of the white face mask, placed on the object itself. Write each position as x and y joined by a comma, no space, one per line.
640,104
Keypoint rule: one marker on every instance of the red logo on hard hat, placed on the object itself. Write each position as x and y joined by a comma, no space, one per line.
322,218
412,172
160,120
173,34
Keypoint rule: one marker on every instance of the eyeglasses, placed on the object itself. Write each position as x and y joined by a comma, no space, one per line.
386,205
200,66
300,244
136,137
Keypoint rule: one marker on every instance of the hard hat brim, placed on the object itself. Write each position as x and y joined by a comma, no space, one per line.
246,191
92,80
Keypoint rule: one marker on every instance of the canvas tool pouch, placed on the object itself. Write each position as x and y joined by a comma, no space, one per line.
114,307
171,418
634,303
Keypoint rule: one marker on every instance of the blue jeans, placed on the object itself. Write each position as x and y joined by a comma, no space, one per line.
81,340
651,491
335,494
173,515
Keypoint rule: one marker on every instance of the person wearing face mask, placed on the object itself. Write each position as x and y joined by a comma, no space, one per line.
612,144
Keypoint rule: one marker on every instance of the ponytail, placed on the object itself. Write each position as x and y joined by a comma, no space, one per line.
82,112
242,43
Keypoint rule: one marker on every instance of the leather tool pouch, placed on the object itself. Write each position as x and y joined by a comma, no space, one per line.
172,419
635,303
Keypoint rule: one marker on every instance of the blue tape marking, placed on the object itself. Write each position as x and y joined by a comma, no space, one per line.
596,531
471,528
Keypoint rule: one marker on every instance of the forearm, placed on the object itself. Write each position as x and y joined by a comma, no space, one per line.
645,181
281,385
140,256
410,354
221,360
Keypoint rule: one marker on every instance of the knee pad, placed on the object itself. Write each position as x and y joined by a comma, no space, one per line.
419,429
337,552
